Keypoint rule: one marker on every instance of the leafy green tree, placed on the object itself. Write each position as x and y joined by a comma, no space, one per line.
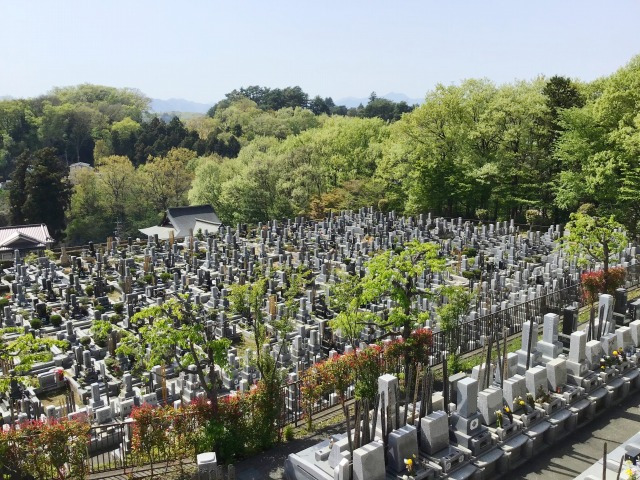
124,135
266,98
156,138
87,217
116,176
599,141
210,174
629,200
180,323
347,299
457,301
395,273
30,350
561,93
594,239
251,195
318,105
114,103
387,110
425,161
247,300
18,132
516,116
166,180
70,129
39,191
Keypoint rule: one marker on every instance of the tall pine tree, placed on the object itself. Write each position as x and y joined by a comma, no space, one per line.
40,191
629,200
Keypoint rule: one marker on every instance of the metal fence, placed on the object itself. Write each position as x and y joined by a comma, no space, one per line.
109,447
471,335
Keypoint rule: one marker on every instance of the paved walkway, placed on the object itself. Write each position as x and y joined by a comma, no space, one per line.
269,465
564,460
582,449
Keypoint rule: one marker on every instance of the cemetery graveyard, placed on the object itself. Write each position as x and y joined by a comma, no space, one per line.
483,426
550,386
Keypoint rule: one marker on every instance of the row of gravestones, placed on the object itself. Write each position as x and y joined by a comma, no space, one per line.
490,431
228,256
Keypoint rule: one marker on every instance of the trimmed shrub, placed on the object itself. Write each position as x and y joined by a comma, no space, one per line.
56,320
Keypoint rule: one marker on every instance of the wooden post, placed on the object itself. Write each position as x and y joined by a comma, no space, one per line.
415,394
604,463
383,418
500,364
347,414
529,343
164,385
397,391
504,359
365,422
482,355
374,420
445,384
356,427
620,467
407,394
430,391
487,369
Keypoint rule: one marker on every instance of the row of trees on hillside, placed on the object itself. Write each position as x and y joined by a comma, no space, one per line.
477,150
86,122
117,192
531,150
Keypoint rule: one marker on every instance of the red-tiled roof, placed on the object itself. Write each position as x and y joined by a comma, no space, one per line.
38,235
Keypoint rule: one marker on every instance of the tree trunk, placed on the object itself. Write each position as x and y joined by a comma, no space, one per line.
213,376
211,391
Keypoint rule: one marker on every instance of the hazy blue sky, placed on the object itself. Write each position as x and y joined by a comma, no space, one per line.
200,50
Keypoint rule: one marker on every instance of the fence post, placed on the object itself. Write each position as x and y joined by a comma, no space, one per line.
296,413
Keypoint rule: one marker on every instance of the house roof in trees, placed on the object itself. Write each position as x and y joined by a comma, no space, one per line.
183,219
80,165
164,233
24,237
206,226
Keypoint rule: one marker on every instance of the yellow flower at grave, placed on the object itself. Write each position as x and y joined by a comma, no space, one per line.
506,409
615,353
521,403
409,463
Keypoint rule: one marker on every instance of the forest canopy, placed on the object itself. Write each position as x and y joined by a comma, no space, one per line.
534,150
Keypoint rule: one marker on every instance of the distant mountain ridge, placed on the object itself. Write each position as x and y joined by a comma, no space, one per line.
352,102
174,105
178,105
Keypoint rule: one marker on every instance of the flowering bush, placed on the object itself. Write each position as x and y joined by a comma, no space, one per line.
242,423
369,368
631,470
312,387
341,371
44,450
227,433
150,430
168,433
594,283
362,368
